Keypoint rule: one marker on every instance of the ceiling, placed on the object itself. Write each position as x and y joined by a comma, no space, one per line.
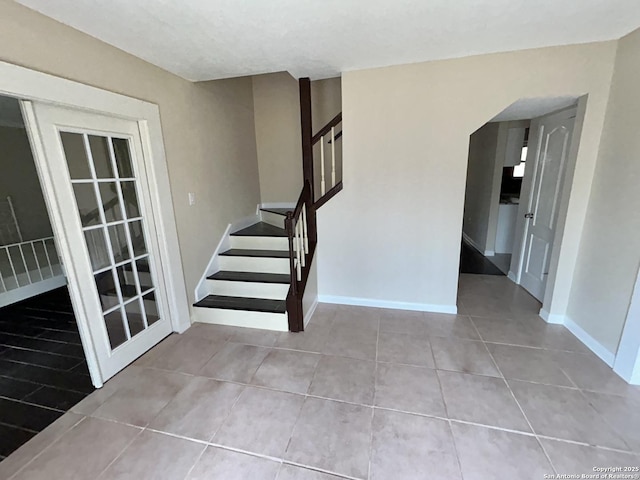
212,39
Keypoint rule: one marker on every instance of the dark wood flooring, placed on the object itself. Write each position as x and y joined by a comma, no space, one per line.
43,372
472,261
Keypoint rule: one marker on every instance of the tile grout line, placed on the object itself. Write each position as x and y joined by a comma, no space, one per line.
37,455
544,450
126,447
375,389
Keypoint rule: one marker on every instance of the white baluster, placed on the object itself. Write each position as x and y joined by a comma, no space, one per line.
4,287
35,255
333,156
46,252
13,270
24,262
298,254
301,242
322,184
305,233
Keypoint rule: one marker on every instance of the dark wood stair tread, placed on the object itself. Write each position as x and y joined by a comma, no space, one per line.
278,211
250,277
242,303
241,252
261,229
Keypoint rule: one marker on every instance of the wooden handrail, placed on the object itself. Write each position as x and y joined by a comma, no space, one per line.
302,218
327,128
328,196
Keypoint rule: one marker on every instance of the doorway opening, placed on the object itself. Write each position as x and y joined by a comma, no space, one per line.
517,170
43,371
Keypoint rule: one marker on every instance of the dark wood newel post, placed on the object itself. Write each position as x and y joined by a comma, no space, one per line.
306,129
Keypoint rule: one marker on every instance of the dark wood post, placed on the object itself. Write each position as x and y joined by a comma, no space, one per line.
306,129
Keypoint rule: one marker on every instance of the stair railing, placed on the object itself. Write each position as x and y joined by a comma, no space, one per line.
301,222
298,224
328,137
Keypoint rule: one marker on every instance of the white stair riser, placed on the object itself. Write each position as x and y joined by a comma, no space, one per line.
254,264
242,318
275,291
273,219
260,243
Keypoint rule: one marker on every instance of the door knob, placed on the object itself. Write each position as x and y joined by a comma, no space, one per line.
528,215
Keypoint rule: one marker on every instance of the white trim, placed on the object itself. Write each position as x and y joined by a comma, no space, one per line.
596,347
27,84
489,253
471,242
553,318
201,290
310,312
512,276
627,363
368,302
277,205
242,318
224,244
31,290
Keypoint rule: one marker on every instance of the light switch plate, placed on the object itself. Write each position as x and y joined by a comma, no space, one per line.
192,198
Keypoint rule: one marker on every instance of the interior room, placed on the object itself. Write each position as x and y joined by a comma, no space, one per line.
43,371
318,241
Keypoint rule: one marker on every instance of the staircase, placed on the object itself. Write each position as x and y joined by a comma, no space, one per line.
251,287
259,278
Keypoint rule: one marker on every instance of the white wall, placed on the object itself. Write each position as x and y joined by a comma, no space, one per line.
483,145
393,233
19,179
609,254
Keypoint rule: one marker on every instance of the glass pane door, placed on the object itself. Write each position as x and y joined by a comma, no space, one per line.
106,193
96,171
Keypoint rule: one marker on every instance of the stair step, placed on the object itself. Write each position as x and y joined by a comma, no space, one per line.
242,252
250,277
261,229
278,211
242,303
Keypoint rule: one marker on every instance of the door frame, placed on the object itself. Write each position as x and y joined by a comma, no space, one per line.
627,361
31,85
522,226
530,174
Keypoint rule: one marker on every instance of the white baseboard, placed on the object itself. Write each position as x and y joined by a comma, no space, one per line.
489,253
368,302
471,242
22,293
605,355
277,205
310,312
512,277
554,318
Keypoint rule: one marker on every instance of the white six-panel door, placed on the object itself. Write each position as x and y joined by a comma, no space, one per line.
96,167
546,165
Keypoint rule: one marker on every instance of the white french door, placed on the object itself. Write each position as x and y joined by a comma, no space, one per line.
545,170
95,167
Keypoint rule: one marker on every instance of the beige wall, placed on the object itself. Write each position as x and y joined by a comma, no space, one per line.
208,128
277,123
19,179
393,233
276,99
609,254
483,145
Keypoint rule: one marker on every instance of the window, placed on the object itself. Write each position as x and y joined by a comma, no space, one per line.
518,170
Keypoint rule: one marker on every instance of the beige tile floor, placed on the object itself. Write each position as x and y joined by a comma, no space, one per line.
364,393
